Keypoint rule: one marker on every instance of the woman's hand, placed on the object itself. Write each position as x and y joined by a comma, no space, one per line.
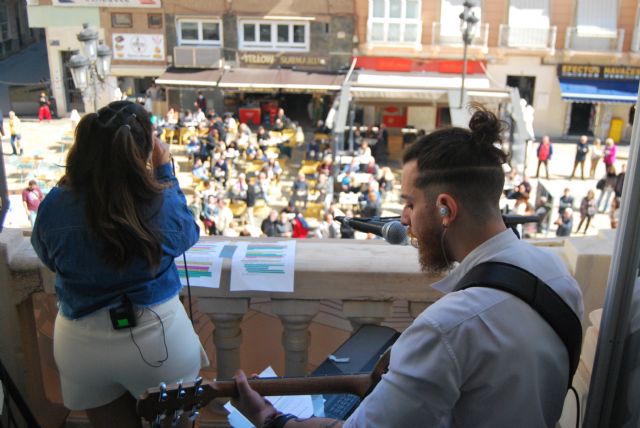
161,153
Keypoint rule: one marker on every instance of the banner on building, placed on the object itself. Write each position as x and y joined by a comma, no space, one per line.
138,47
604,72
108,3
284,60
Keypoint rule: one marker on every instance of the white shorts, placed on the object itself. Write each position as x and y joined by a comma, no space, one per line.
98,364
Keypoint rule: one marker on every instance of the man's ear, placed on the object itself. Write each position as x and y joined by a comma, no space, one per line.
447,208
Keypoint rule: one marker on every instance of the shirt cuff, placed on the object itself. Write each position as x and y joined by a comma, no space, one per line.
163,171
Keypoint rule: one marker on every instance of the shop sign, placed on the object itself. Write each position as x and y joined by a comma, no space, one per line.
284,60
138,47
109,3
602,72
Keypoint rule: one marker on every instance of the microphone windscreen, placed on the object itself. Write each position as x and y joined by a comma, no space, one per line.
395,233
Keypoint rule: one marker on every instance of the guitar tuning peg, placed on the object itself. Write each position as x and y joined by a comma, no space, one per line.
198,386
176,417
163,392
181,391
194,415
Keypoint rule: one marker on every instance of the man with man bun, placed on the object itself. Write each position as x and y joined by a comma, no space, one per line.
479,357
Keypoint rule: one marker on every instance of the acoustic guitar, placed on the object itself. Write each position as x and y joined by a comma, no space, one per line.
174,400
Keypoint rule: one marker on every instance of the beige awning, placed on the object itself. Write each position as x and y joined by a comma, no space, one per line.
247,79
417,88
189,77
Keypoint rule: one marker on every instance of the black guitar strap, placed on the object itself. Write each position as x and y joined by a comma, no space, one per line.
537,294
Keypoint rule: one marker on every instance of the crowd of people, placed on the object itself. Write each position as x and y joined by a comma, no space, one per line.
237,176
609,187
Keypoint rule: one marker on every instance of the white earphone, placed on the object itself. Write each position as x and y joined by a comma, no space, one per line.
444,211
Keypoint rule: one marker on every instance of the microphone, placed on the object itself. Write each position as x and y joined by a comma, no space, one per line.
390,229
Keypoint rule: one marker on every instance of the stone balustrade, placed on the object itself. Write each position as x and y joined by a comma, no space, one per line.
365,276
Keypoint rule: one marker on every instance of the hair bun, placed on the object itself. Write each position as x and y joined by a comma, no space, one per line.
486,128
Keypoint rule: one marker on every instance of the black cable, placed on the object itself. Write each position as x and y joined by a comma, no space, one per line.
184,260
577,406
164,339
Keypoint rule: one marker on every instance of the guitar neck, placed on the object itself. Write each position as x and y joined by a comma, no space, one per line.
357,384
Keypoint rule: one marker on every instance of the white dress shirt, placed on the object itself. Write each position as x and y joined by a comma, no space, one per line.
478,357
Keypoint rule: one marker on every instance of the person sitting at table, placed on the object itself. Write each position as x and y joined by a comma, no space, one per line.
325,166
269,224
262,137
199,171
300,190
286,122
223,216
220,169
347,183
284,227
238,191
251,151
273,169
200,116
364,150
265,186
188,119
372,205
324,188
205,188
231,126
300,226
203,151
208,215
171,120
218,125
386,181
352,166
372,168
278,125
193,148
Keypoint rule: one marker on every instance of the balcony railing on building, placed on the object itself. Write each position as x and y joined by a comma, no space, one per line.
527,37
450,36
594,39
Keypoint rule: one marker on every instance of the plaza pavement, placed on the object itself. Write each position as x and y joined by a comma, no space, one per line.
45,145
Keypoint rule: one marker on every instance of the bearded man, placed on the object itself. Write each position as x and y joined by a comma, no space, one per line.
478,357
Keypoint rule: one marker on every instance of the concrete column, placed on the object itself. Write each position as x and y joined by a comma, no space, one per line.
295,315
226,315
360,312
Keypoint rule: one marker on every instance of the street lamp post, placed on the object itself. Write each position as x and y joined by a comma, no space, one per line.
89,71
468,27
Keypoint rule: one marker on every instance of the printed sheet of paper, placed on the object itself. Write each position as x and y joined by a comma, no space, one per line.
204,265
299,405
263,266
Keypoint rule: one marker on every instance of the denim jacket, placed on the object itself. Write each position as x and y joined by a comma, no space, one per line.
84,282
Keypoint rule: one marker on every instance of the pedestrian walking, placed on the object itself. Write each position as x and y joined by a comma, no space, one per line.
15,127
609,157
597,152
31,198
45,110
587,210
581,155
545,151
606,186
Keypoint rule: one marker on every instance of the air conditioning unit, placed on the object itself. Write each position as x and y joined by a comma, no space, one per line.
197,56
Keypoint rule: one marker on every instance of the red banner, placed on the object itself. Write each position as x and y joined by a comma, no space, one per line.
380,63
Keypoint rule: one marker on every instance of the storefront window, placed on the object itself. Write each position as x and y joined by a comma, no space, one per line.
210,31
274,35
394,21
265,33
121,20
154,20
195,32
283,33
249,32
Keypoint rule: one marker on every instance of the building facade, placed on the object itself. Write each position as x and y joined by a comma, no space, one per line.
573,61
14,27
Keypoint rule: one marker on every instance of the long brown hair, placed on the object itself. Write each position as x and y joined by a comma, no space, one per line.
109,166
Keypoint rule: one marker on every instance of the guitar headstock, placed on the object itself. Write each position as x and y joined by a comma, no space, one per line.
172,401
